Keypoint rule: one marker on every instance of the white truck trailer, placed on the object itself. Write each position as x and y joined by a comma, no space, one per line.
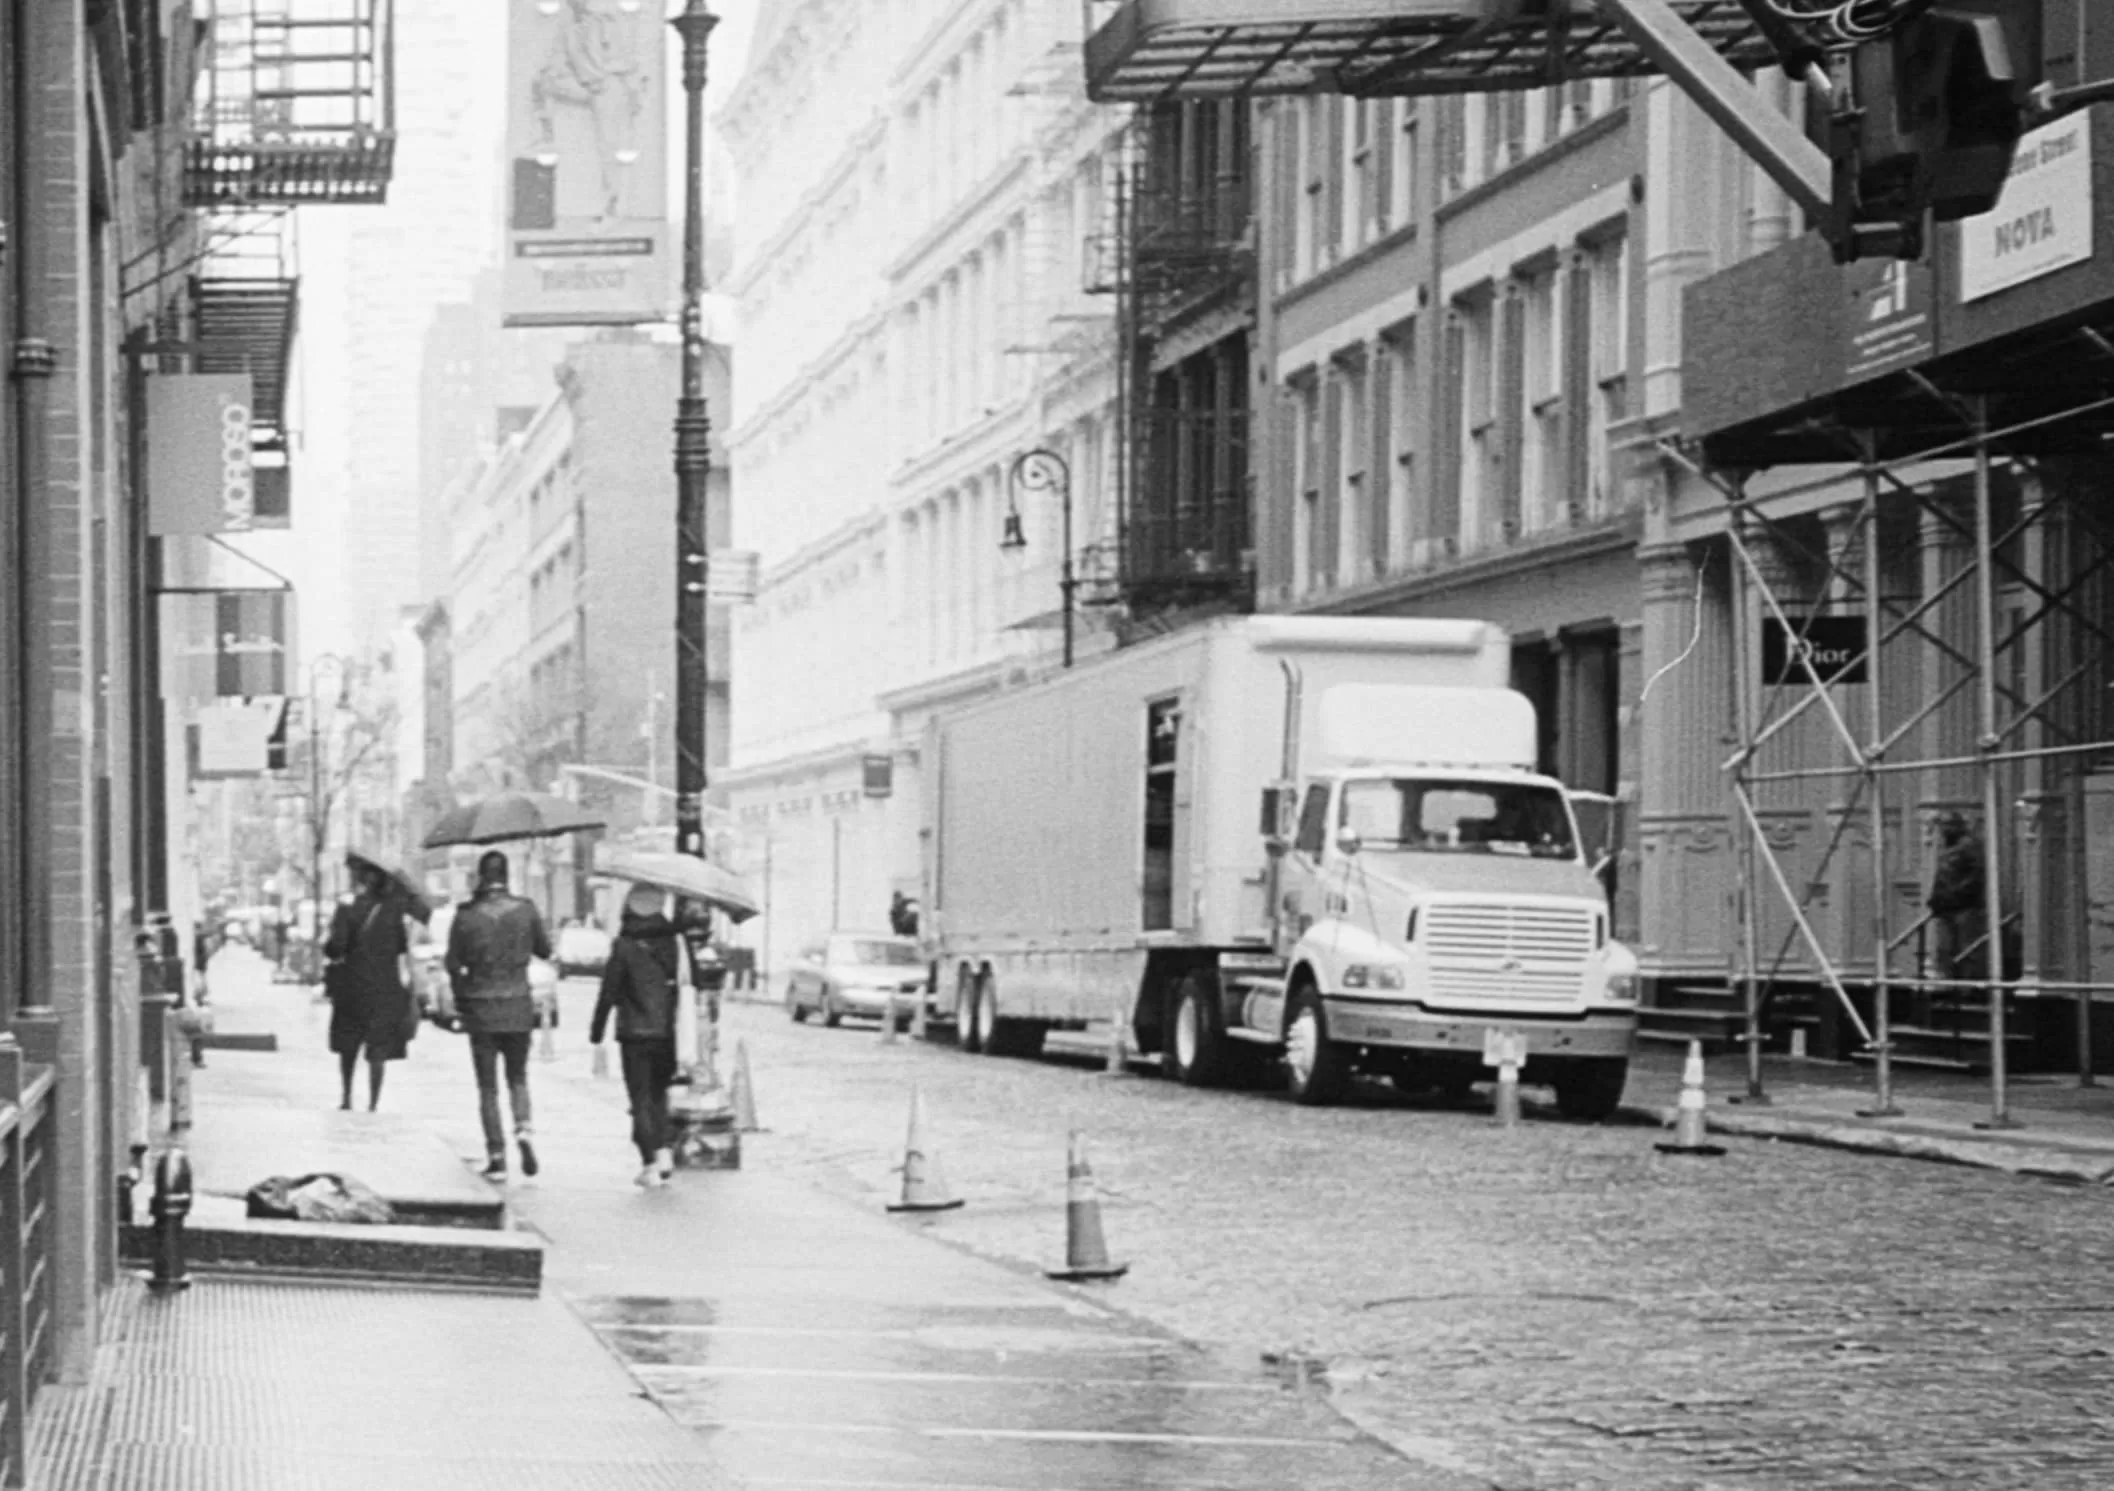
1310,841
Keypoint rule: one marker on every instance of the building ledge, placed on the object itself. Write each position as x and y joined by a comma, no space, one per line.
1607,536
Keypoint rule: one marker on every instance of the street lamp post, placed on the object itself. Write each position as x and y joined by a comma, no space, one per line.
1041,470
693,455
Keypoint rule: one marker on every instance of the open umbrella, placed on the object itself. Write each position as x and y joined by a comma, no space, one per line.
685,874
414,899
509,815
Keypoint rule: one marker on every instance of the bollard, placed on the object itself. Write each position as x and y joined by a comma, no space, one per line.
179,1097
918,1015
171,1204
1508,1095
888,1019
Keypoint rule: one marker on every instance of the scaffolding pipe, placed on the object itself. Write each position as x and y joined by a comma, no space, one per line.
1883,1105
2034,753
1992,805
1743,674
1798,915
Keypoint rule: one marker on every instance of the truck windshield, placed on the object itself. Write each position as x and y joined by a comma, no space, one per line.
1459,817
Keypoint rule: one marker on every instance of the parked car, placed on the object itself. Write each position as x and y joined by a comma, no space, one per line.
581,950
436,997
856,973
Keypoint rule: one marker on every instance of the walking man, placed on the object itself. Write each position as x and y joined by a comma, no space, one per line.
490,942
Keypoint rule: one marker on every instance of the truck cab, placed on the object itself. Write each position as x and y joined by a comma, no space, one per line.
1435,904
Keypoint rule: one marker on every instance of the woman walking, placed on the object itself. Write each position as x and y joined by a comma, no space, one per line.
639,987
371,1008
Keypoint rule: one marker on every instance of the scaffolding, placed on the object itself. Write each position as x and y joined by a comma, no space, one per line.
1974,576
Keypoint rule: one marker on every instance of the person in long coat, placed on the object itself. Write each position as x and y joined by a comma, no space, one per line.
640,989
371,1008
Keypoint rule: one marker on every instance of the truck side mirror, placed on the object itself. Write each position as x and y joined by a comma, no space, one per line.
1348,840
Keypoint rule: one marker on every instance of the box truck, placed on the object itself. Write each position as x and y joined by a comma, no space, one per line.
1313,843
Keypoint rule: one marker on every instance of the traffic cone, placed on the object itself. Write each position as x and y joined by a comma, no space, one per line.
1690,1130
924,1187
1085,1250
744,1095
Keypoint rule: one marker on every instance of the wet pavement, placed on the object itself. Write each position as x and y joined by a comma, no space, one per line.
784,1336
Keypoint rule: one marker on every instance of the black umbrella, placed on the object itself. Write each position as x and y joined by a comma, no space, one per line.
400,880
510,815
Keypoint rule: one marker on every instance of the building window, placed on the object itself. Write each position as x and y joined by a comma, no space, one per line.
1352,440
1543,488
1306,480
1396,403
1479,409
1402,166
1605,274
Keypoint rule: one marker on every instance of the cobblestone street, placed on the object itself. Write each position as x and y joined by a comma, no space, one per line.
1551,1307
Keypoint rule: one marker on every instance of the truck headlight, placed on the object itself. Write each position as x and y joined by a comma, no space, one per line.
1373,976
1622,988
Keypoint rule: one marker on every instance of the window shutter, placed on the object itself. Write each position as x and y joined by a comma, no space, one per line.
1446,491
1511,409
1380,465
1383,146
1578,388
1332,174
1328,538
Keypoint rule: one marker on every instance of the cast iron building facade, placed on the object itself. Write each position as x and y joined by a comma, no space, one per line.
926,273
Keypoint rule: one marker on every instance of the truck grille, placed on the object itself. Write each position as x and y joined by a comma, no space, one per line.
1483,952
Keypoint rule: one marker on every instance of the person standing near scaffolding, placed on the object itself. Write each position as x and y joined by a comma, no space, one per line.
1957,888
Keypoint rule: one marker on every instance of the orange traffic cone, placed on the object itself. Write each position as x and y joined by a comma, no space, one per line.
924,1187
744,1095
1690,1128
1085,1250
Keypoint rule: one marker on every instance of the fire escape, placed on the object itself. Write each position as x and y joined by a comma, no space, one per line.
1186,316
295,108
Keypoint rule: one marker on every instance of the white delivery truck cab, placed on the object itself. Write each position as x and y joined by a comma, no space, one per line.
1314,842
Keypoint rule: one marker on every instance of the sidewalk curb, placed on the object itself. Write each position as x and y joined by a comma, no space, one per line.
2009,1156
501,1262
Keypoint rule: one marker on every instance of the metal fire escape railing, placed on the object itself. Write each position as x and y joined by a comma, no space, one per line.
244,305
1187,250
1988,690
297,105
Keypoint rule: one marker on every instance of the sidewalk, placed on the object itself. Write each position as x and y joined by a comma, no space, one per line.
736,1329
2065,1132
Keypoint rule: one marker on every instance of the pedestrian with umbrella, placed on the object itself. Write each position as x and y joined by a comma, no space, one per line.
366,975
490,942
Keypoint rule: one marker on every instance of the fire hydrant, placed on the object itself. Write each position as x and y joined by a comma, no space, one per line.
171,1204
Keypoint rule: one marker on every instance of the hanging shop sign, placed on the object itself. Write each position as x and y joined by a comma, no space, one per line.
226,644
1830,648
200,477
587,239
2043,222
233,738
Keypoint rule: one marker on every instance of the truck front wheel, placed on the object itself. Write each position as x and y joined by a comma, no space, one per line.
1590,1087
1317,1069
1196,1038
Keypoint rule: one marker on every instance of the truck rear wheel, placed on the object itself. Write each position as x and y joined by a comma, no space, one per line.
1589,1088
1196,1034
968,1013
1318,1070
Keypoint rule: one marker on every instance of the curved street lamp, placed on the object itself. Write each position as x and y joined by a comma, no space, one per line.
1042,470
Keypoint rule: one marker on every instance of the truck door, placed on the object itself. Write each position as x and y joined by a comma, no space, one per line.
1306,864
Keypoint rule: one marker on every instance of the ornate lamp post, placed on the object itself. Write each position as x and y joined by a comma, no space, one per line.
693,455
1041,470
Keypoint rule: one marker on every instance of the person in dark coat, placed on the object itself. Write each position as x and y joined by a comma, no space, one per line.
1957,889
371,1008
494,935
639,985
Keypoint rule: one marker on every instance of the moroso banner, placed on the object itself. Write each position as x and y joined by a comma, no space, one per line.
587,239
200,472
227,644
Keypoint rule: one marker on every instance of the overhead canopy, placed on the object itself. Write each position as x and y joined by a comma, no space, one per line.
1150,50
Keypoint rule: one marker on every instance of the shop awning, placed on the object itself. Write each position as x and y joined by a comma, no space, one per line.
1150,50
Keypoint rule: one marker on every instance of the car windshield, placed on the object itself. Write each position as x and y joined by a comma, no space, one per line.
876,951
1459,817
